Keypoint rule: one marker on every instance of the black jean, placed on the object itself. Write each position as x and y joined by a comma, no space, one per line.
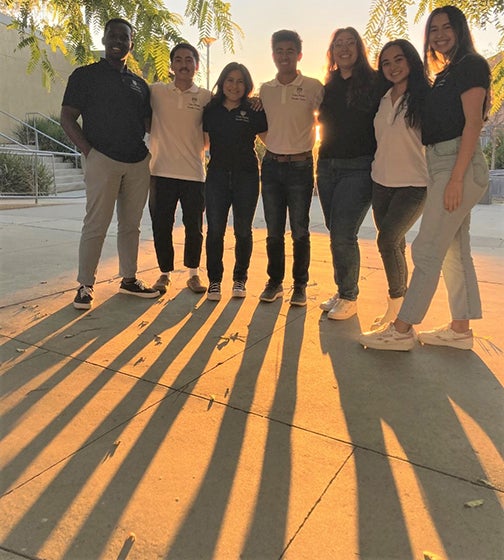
165,193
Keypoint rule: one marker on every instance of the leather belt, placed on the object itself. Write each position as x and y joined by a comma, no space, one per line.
282,158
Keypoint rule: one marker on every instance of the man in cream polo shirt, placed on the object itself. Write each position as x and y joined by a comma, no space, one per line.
290,102
177,165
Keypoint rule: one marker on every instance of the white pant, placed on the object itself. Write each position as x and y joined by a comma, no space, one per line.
109,181
443,241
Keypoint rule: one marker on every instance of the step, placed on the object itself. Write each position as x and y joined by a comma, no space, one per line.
68,172
69,187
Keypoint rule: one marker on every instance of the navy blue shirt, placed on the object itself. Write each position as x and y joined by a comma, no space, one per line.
232,136
114,105
443,117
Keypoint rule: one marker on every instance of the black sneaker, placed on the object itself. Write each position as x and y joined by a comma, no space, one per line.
84,298
271,292
239,289
138,288
214,291
298,296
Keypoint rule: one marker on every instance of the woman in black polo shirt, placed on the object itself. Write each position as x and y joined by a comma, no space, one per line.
233,175
458,176
346,151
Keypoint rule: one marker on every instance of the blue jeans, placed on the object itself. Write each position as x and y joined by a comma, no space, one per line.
344,187
223,190
287,186
165,193
395,210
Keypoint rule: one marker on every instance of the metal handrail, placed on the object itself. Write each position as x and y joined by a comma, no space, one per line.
23,151
54,121
70,151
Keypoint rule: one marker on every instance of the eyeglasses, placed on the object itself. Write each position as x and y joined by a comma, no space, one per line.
341,44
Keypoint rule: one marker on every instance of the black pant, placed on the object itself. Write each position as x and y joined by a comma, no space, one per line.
165,193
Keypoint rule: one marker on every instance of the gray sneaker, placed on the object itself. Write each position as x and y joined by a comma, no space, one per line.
271,292
239,289
298,296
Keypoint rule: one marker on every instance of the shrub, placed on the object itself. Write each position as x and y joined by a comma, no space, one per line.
26,135
17,175
499,150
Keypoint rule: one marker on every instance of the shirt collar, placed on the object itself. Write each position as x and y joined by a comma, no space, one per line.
298,80
193,89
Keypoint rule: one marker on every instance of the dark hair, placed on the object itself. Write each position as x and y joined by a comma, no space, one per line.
463,44
286,35
362,91
219,97
118,20
187,46
417,86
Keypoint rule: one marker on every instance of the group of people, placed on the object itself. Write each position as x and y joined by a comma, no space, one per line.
390,140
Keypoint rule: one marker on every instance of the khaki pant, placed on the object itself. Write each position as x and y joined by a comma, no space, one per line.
443,242
110,182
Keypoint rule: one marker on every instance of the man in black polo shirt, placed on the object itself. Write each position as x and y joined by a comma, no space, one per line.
115,109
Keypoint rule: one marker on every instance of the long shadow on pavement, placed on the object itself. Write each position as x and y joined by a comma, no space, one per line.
415,399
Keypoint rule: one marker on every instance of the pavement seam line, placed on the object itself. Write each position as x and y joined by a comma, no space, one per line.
317,502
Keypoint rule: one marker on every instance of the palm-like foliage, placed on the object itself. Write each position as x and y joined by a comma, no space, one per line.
68,25
388,20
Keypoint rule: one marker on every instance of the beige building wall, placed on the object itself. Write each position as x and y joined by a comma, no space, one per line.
21,93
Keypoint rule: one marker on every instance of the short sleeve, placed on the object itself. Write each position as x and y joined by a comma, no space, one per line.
76,92
261,124
473,72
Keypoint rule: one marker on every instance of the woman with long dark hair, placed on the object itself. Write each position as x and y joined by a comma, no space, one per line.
233,177
455,109
344,165
399,169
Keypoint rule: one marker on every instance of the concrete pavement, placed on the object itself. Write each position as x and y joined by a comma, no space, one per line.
186,429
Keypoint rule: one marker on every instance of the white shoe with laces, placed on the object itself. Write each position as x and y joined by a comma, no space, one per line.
328,304
388,338
343,309
446,336
393,308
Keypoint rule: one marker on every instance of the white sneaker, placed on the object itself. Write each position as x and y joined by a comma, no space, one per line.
446,336
328,304
393,308
387,338
343,309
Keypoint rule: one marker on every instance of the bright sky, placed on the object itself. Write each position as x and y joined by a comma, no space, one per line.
314,20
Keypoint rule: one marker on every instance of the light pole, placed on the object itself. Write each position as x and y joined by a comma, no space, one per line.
208,41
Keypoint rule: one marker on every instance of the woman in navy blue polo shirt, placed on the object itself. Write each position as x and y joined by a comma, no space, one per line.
233,174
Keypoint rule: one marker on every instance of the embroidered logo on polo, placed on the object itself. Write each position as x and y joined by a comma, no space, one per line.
135,86
194,103
298,95
242,117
